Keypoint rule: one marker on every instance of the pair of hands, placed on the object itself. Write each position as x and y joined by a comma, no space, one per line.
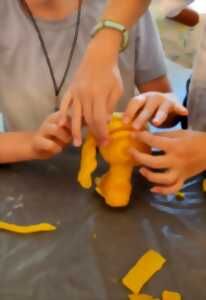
183,150
51,138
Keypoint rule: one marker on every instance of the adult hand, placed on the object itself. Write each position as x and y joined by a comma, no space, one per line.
95,89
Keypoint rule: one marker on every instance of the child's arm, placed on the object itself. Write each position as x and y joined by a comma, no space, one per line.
160,84
46,142
97,82
187,16
15,147
156,104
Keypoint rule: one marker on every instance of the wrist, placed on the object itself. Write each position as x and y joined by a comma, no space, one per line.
27,146
109,37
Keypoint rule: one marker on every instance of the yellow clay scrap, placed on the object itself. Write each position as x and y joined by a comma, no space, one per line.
141,297
180,195
44,227
204,185
167,295
143,271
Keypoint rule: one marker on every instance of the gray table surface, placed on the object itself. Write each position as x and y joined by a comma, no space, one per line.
94,245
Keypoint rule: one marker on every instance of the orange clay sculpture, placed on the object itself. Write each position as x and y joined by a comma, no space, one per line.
115,185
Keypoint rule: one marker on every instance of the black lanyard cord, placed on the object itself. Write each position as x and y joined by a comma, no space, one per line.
57,88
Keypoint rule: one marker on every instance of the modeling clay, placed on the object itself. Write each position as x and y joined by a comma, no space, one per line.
88,162
141,273
27,229
115,185
141,297
166,295
180,195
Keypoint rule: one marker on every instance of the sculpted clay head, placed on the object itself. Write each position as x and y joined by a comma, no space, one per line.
115,185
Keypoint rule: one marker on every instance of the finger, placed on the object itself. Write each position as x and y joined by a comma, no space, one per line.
54,118
165,109
113,99
133,108
87,108
155,141
162,114
47,145
165,178
147,112
65,123
65,104
173,189
99,124
76,123
150,161
55,131
62,135
180,109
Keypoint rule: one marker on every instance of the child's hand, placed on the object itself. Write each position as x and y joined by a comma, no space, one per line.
157,108
184,157
51,138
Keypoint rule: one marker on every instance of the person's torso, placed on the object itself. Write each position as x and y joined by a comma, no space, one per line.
27,94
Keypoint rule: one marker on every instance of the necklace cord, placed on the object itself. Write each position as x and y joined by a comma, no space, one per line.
57,88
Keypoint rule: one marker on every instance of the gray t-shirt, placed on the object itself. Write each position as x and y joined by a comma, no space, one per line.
26,89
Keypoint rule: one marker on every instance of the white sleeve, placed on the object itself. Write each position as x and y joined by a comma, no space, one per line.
171,8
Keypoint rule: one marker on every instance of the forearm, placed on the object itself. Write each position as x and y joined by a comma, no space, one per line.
161,85
15,147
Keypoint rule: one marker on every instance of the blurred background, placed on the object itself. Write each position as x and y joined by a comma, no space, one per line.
181,43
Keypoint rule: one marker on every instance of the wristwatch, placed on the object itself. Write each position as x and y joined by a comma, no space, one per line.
116,26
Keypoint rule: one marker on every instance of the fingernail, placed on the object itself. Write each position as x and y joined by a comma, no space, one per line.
141,98
156,121
126,120
160,115
185,111
154,190
104,143
62,123
136,126
141,171
131,151
77,143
